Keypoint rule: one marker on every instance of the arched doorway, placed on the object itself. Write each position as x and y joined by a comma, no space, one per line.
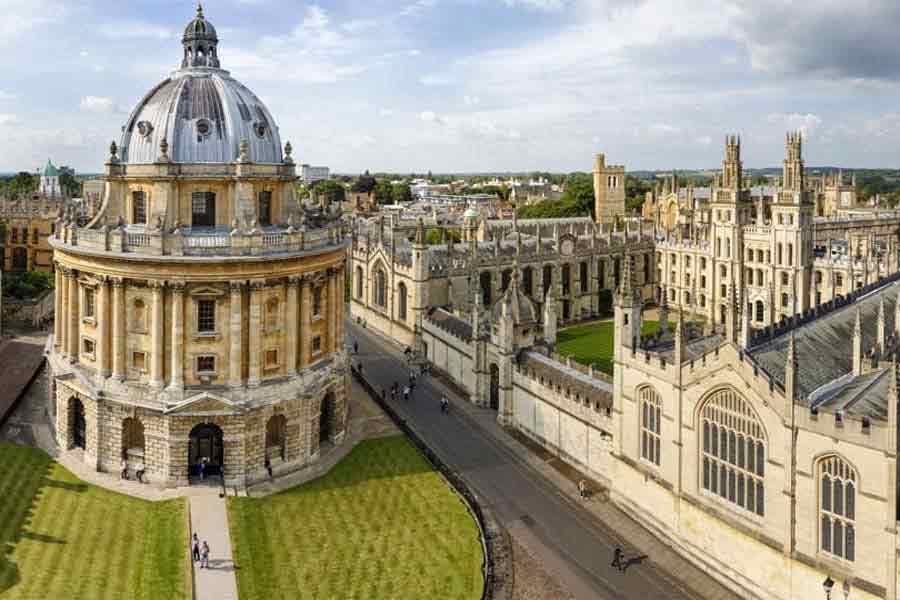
78,424
276,437
326,418
495,387
132,439
206,445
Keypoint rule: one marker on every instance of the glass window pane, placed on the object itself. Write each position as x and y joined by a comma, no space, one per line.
838,497
657,444
723,481
732,454
740,451
714,438
850,553
714,473
751,463
826,534
706,436
658,423
740,490
731,485
760,499
705,473
826,493
838,538
751,496
723,444
760,459
644,444
851,502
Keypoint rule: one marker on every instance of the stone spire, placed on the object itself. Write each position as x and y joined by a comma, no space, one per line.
420,232
857,344
476,314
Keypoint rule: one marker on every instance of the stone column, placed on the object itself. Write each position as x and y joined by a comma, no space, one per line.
103,341
339,306
57,308
331,311
157,336
305,320
118,332
73,316
293,326
64,313
254,353
176,381
235,366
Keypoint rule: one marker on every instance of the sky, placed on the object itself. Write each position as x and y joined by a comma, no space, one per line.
475,85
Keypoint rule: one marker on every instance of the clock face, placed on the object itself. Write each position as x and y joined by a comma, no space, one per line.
567,247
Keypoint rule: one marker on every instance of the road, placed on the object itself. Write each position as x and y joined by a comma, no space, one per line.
569,541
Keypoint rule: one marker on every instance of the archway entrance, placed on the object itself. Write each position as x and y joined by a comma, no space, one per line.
79,426
206,446
495,387
326,418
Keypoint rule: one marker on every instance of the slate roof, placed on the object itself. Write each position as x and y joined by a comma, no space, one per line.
824,348
450,323
595,390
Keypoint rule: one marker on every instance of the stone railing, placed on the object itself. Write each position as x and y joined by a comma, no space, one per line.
201,243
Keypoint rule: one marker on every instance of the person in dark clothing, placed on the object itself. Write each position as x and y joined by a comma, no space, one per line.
269,467
195,547
617,558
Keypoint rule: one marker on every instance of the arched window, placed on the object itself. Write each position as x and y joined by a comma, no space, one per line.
734,451
760,311
528,280
317,301
401,301
566,279
484,281
139,315
132,438
359,282
505,278
651,411
547,278
837,508
380,287
272,314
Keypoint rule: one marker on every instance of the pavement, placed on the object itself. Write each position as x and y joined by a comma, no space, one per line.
20,360
572,539
209,519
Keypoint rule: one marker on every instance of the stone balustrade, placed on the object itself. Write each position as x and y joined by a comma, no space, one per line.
201,243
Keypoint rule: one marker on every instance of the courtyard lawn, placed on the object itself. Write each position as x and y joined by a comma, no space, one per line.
61,538
593,343
381,524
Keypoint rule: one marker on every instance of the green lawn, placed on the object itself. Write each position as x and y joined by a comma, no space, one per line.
380,525
64,539
593,343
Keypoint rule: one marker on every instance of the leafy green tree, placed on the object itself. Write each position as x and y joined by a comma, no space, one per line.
29,284
384,192
364,184
23,184
401,193
331,190
70,186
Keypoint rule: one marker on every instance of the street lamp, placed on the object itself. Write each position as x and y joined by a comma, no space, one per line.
827,585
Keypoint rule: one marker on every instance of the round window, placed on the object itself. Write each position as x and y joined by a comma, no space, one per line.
260,129
203,127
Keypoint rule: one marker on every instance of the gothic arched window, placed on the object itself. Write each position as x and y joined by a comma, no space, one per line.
733,451
651,413
401,301
359,282
837,507
380,287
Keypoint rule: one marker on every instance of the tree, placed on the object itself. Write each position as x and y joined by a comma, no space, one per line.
70,186
401,193
364,184
635,192
332,191
384,192
23,184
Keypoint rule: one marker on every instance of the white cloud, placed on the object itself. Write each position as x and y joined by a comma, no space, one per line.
471,100
134,29
385,112
807,123
98,104
6,96
8,119
429,116
544,5
433,80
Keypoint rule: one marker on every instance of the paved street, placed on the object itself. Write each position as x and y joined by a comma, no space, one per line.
570,541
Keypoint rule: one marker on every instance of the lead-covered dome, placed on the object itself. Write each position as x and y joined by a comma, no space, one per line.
201,112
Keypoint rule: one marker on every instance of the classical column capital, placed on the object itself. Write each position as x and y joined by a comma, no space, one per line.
236,287
178,287
69,272
117,282
156,284
295,281
257,284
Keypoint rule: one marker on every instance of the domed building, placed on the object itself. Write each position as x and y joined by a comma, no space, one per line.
199,314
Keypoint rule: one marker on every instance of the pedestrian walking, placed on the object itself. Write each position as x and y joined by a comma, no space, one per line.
195,548
269,467
200,468
355,347
582,488
617,558
204,556
406,393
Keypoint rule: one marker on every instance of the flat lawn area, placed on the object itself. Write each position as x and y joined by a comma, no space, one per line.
380,525
61,538
593,343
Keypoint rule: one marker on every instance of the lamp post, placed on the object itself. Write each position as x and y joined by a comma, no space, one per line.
827,585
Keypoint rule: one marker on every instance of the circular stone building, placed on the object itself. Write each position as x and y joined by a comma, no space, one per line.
199,315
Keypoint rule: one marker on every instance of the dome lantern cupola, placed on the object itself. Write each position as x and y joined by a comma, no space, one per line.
200,43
